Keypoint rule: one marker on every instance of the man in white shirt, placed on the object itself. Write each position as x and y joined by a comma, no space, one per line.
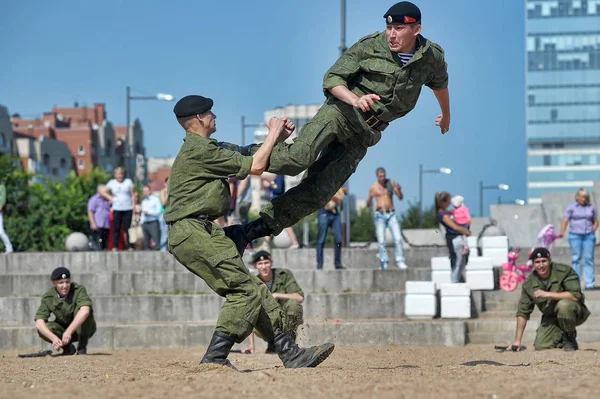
151,211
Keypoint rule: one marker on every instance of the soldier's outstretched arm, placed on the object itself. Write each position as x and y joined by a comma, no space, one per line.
260,159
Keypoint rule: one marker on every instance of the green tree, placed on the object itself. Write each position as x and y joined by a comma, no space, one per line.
362,227
415,218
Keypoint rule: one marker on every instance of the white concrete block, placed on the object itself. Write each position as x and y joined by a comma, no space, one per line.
480,279
456,289
494,242
456,307
480,263
440,277
498,255
440,263
420,306
472,241
420,287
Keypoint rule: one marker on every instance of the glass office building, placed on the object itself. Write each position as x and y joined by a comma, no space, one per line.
563,95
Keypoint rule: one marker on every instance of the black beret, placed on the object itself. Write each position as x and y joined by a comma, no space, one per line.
261,255
192,105
60,273
540,252
404,12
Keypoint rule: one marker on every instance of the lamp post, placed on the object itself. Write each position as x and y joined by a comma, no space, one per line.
422,171
482,187
156,97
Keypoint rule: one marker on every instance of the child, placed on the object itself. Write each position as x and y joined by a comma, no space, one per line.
462,216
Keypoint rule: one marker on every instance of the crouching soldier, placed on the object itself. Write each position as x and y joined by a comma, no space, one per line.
556,290
72,309
285,289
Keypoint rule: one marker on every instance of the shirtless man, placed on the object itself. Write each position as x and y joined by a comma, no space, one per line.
385,217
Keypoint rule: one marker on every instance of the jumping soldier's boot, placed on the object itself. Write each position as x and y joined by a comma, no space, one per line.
570,341
242,235
270,350
82,346
218,350
69,350
294,357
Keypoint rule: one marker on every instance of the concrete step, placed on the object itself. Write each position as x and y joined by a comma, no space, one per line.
507,337
509,325
193,308
183,282
505,301
117,336
136,261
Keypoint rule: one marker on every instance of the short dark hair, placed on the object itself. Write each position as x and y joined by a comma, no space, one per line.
379,169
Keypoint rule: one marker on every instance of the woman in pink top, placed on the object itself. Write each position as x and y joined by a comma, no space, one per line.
462,217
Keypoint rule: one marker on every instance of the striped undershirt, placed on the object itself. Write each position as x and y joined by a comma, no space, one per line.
405,57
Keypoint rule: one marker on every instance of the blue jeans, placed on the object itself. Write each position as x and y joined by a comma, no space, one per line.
583,243
382,222
327,220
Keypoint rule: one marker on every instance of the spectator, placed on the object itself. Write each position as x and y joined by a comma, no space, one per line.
120,196
99,215
73,315
283,286
330,217
135,234
556,290
151,212
583,222
7,244
453,236
233,190
462,217
383,191
277,188
164,229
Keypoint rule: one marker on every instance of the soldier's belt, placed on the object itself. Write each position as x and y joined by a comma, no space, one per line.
373,122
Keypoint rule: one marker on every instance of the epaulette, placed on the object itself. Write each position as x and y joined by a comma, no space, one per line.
371,36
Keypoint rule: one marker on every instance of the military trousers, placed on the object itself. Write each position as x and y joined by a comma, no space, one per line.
86,330
294,317
203,249
329,147
566,317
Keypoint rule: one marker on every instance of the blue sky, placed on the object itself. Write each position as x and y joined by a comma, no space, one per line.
253,56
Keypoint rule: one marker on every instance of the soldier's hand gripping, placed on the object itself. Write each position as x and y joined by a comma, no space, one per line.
365,102
443,122
277,129
288,129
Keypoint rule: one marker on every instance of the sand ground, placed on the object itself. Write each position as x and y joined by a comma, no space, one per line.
382,372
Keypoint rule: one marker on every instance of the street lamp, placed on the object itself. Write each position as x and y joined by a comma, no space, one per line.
445,171
482,187
156,97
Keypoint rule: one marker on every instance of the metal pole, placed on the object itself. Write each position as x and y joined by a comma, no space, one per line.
421,194
343,25
243,131
346,213
127,131
481,198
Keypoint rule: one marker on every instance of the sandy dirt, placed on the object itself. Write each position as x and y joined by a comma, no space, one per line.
385,372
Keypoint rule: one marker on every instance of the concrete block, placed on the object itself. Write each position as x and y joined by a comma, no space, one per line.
199,334
498,255
420,287
456,289
148,336
494,242
440,263
480,279
480,263
472,241
456,307
420,306
440,277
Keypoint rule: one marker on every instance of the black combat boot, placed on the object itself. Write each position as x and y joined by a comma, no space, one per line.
242,235
294,357
69,350
82,346
570,341
218,350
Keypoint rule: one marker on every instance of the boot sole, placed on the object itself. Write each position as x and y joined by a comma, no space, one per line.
319,358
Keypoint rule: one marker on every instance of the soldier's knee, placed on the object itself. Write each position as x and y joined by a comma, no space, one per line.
566,308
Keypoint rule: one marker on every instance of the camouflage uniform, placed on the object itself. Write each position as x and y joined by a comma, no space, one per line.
284,282
199,194
557,316
340,130
65,311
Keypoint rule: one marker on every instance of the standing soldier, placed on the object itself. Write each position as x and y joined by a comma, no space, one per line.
72,308
198,195
375,82
7,244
